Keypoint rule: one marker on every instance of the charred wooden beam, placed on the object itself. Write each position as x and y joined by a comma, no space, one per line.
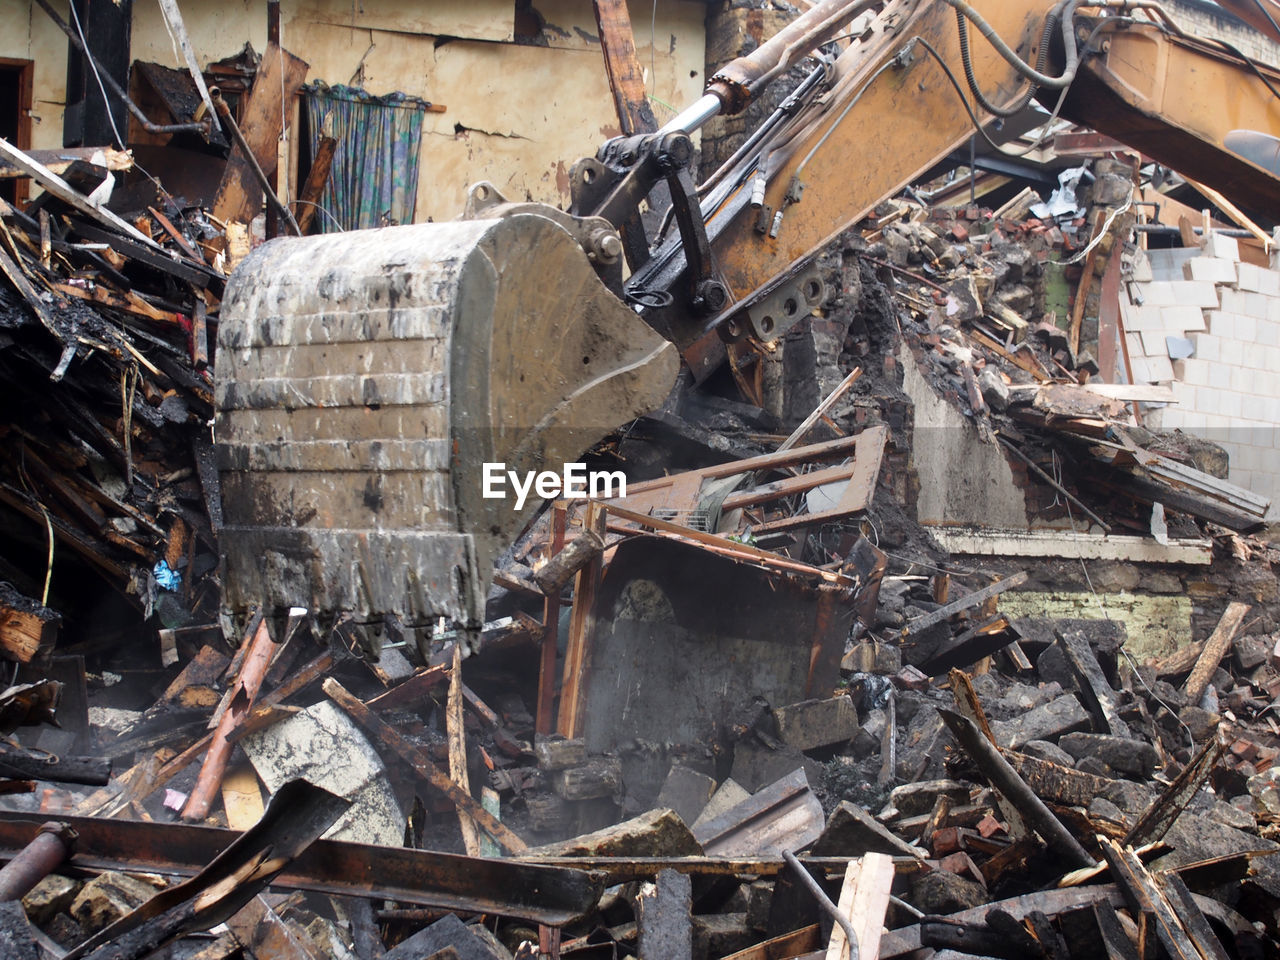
422,765
1005,779
967,602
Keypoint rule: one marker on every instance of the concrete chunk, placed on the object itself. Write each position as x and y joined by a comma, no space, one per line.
851,832
727,796
817,723
108,897
306,745
1047,722
913,799
687,792
1135,759
51,895
658,833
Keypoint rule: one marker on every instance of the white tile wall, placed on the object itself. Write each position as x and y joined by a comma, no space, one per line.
1228,391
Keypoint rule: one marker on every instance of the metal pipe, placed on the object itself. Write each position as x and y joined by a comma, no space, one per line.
51,846
105,76
738,81
224,112
1005,779
692,117
824,902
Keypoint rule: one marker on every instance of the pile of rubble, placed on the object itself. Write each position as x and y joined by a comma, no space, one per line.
852,741
105,344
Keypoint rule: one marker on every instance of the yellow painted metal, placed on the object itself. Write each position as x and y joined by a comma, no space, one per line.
907,119
1176,99
1172,98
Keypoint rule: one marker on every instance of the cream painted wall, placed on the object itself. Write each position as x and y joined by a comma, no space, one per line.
29,34
518,115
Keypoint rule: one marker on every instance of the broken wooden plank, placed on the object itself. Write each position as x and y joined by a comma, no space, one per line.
240,699
1147,902
59,188
423,766
28,629
794,944
1189,915
577,658
1214,649
1095,691
864,898
626,76
457,735
280,73
829,401
10,268
977,642
411,692
1055,783
308,202
966,602
57,161
544,715
1158,818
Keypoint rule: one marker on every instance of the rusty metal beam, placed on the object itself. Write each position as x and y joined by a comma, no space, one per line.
542,894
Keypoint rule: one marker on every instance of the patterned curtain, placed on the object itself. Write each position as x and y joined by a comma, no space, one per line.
374,179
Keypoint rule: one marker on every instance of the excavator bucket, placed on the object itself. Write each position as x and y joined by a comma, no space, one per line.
365,378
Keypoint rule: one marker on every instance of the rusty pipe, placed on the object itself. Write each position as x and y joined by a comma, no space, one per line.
738,81
224,113
51,846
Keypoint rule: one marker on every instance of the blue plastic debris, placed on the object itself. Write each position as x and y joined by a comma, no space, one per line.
166,578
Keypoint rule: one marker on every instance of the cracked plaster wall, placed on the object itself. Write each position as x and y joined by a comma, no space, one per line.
518,114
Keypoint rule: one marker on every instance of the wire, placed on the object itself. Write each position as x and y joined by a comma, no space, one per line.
973,117
1106,226
93,67
1267,13
1011,57
653,47
1051,24
336,222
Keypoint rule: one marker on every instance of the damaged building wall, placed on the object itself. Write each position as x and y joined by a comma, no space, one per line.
1220,318
963,481
30,35
524,97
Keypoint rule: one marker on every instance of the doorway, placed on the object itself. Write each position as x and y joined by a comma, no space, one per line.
15,119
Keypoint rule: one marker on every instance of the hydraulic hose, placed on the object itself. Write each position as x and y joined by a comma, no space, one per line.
1011,56
1042,58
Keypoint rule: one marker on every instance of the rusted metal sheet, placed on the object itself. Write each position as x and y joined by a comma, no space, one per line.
544,894
298,814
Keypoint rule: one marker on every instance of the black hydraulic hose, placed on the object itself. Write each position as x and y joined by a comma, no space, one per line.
1035,76
1042,58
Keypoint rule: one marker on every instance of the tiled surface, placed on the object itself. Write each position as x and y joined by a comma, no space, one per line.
1228,391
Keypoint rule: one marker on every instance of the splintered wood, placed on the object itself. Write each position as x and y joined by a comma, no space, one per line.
864,898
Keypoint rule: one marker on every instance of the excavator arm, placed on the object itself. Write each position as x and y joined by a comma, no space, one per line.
907,92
